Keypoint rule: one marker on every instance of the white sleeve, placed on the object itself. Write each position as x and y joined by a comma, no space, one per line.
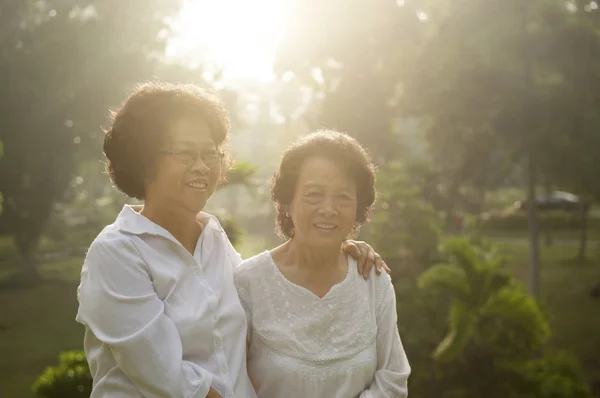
117,302
241,285
391,377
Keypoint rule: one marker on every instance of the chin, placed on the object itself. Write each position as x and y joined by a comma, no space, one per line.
196,207
323,242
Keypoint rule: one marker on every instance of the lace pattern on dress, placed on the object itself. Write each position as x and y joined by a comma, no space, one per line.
294,322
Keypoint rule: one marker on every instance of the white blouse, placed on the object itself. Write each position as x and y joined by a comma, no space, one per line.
160,322
343,345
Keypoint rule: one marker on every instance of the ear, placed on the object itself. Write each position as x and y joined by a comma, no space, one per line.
288,209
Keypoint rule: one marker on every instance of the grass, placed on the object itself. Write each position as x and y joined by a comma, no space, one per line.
565,295
38,323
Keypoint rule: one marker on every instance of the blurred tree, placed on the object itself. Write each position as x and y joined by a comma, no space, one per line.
64,64
574,155
499,87
241,175
404,227
354,61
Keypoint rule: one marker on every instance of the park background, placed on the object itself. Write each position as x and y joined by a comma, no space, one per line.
483,118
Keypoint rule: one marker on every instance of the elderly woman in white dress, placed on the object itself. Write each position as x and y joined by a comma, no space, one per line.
315,329
161,314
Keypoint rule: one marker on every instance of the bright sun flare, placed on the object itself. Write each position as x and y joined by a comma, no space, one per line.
239,35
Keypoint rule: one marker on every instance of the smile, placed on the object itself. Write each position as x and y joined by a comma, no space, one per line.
200,185
325,226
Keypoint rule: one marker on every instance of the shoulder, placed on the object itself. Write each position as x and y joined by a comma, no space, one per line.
255,265
385,293
111,240
379,285
112,253
213,226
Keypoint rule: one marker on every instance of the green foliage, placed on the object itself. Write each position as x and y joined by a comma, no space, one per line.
556,375
242,173
549,221
44,132
497,334
232,228
405,228
71,378
483,293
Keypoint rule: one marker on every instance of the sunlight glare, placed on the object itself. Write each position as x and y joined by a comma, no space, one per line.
239,36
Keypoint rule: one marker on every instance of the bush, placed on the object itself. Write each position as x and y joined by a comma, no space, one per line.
495,342
71,378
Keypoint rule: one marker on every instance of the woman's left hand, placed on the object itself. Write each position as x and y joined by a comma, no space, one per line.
365,257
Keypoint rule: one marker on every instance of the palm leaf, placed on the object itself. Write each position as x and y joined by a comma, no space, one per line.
513,305
464,255
463,322
446,278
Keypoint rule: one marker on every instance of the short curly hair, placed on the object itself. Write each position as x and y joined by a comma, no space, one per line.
131,145
329,144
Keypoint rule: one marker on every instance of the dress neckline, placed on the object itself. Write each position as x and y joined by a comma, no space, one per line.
307,292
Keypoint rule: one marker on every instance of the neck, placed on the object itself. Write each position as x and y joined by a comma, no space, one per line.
317,259
182,224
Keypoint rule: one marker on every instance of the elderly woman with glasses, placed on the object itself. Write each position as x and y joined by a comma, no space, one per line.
161,313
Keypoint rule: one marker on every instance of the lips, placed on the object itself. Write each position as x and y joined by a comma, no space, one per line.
200,185
325,226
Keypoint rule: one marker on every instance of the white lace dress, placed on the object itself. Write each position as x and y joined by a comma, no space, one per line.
343,345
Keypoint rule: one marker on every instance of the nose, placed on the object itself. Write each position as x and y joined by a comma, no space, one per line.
328,209
200,167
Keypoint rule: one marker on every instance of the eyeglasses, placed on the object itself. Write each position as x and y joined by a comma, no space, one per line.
189,157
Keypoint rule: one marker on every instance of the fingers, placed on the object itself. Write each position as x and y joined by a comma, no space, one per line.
378,264
352,248
387,269
381,265
369,263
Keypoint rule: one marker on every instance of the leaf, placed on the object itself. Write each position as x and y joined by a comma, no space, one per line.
446,278
513,305
463,324
462,253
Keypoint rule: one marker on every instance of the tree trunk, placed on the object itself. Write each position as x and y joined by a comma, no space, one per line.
547,232
581,255
532,217
28,273
530,142
26,241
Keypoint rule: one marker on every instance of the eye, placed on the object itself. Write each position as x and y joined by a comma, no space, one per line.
313,196
186,155
210,155
345,197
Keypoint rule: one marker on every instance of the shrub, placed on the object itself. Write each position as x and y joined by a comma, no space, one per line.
71,378
495,334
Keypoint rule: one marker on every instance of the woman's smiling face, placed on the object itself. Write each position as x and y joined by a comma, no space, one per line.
324,205
181,179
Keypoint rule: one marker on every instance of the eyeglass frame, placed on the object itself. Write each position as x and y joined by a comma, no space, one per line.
199,154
